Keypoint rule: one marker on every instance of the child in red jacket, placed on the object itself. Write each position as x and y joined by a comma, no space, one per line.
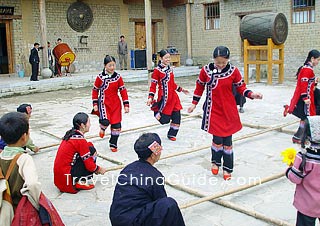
106,102
302,103
167,107
75,161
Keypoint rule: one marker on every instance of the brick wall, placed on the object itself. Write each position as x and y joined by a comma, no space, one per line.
301,37
177,29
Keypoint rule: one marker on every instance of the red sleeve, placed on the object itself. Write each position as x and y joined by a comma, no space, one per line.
175,86
123,93
304,76
95,90
84,152
200,85
240,84
154,83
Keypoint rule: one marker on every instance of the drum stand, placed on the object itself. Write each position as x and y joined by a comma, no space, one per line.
258,61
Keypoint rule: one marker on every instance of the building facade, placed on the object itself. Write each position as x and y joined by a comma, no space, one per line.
212,23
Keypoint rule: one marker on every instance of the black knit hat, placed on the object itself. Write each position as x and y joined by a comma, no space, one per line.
24,108
141,146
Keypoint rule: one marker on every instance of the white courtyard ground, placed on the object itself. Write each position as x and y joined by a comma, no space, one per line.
185,163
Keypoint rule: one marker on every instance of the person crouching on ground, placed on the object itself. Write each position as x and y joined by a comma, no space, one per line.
75,161
23,180
27,109
144,203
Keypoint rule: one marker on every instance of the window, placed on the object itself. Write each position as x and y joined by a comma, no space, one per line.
212,16
303,11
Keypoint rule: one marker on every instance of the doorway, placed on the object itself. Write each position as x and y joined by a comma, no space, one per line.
140,36
6,50
4,64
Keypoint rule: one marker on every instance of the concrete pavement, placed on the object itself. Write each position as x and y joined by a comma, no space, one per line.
256,157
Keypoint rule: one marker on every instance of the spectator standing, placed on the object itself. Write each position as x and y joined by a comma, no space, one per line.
34,60
123,53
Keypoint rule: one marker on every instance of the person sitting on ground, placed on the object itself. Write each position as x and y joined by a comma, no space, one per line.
139,197
75,161
23,180
27,109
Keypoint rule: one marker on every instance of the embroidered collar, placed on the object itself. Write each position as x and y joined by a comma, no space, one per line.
107,75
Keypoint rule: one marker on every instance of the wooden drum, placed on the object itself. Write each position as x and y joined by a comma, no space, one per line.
64,54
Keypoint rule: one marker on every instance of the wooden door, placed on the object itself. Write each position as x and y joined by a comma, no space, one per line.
6,47
140,36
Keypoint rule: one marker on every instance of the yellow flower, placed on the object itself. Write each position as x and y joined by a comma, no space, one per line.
289,155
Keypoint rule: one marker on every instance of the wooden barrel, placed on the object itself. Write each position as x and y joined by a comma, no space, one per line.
258,27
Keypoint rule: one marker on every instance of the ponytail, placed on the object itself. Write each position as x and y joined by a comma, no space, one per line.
78,119
312,54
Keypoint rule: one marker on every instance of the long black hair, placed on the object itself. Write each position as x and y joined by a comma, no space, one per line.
313,53
78,119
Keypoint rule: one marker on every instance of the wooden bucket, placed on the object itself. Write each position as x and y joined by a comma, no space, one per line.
64,54
258,27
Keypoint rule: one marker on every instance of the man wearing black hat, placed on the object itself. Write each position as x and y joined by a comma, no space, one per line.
139,197
34,61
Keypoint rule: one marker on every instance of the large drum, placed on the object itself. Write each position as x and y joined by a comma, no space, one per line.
64,54
258,27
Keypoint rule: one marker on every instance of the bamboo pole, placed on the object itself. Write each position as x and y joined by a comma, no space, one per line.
124,131
235,139
109,159
50,134
251,213
224,193
214,198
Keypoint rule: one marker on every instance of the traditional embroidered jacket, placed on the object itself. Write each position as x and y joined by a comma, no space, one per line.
68,152
220,115
305,90
168,98
105,95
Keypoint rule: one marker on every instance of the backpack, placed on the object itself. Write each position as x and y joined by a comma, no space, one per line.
6,208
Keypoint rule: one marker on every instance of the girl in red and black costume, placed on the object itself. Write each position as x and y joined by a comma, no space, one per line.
106,101
75,161
167,107
220,117
302,103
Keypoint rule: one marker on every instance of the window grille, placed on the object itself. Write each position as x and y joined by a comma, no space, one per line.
303,11
212,16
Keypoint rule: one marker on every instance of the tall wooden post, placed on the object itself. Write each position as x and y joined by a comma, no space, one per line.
258,68
245,61
188,22
147,11
270,60
43,33
281,65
